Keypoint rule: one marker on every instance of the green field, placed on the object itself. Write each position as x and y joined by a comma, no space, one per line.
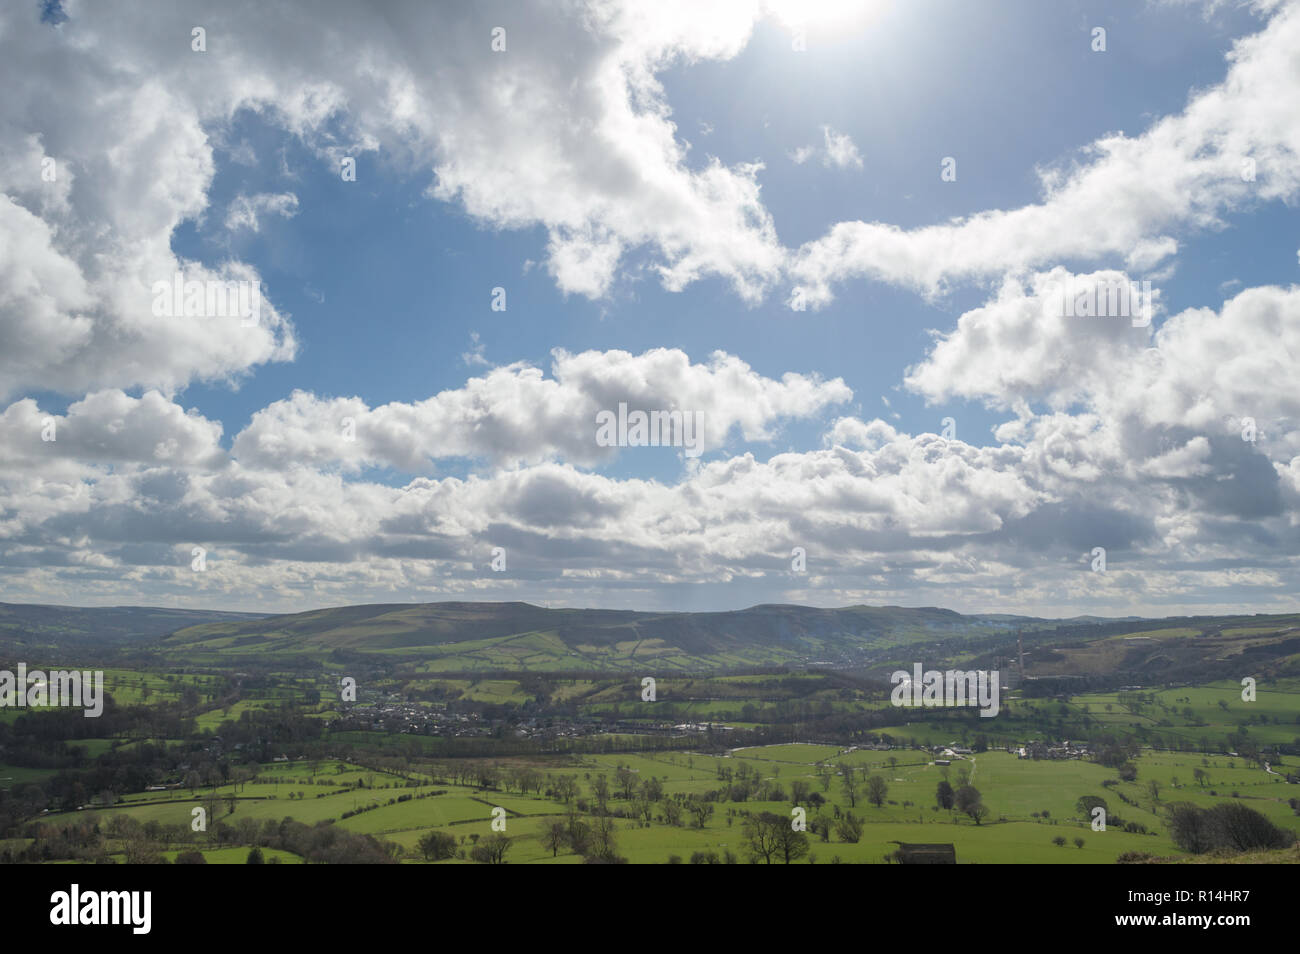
423,750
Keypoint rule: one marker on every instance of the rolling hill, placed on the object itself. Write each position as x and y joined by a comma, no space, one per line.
522,636
27,625
467,636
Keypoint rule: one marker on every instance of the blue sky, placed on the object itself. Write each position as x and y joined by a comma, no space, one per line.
694,156
406,279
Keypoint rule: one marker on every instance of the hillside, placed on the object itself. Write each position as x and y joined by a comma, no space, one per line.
466,636
1187,649
29,625
525,637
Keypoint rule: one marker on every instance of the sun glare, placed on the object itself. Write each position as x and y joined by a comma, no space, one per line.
826,14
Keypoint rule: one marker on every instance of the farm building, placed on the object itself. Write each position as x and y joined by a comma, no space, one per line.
918,854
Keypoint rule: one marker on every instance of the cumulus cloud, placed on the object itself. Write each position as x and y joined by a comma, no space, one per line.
1024,346
564,521
905,515
79,254
516,415
921,513
1234,144
134,484
570,131
1190,430
1115,434
111,427
1203,371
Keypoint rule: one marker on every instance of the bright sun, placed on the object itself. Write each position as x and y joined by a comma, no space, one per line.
838,14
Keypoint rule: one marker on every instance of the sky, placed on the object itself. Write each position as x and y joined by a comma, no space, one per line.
837,234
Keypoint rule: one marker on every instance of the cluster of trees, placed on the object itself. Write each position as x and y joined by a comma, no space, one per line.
1225,827
855,785
38,740
490,775
745,783
80,840
1059,841
1086,803
88,839
966,799
643,795
728,857
593,839
1117,753
488,849
771,837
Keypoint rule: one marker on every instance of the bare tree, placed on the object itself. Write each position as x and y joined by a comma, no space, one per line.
850,783
600,791
602,839
491,849
761,835
556,837
790,844
826,776
626,781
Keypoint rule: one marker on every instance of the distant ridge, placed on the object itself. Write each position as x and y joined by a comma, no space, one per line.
521,635
463,636
42,623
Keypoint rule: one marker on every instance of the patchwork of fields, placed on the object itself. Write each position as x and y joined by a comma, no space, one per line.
1031,803
426,766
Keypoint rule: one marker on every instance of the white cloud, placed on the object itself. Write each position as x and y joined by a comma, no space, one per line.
1021,346
514,415
932,519
79,256
109,427
247,211
474,356
837,151
840,150
1124,197
568,129
572,131
1202,370
132,484
1117,436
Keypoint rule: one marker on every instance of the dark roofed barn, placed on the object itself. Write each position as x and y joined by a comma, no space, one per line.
915,854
